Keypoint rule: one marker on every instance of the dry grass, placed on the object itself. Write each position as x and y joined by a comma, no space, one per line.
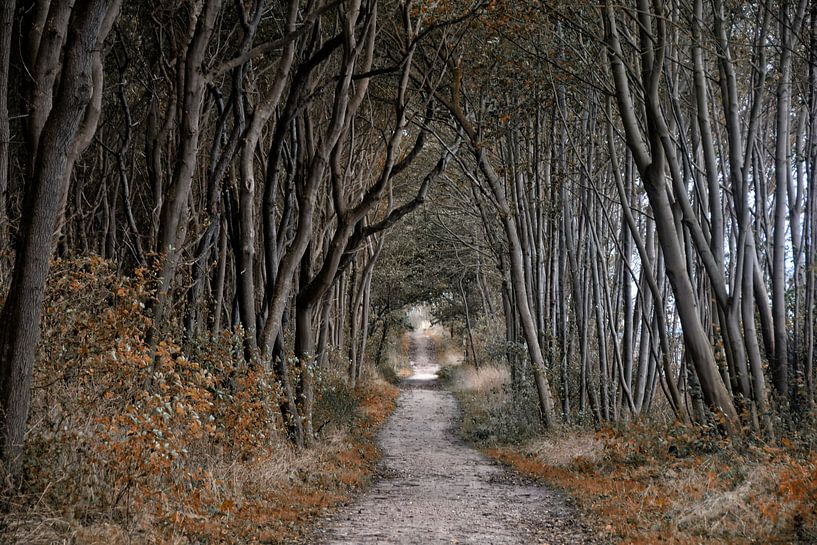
722,512
485,380
566,449
272,499
636,489
101,534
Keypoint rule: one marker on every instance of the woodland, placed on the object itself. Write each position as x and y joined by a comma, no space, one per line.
215,216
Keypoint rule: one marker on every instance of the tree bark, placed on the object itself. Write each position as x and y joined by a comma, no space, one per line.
58,146
652,165
6,23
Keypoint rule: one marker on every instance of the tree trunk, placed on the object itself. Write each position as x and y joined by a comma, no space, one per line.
789,29
520,291
652,167
305,353
6,23
172,224
464,298
59,144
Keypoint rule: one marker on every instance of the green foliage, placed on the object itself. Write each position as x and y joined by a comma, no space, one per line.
493,412
335,405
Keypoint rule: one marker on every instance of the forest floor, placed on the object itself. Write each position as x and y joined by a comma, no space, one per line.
432,488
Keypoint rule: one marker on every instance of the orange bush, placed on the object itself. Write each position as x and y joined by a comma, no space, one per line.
162,445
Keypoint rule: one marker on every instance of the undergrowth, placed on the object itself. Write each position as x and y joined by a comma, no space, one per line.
645,483
492,412
178,445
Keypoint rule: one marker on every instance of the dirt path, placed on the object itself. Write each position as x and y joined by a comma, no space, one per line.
433,489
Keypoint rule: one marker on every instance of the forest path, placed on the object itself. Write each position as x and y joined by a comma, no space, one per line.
433,489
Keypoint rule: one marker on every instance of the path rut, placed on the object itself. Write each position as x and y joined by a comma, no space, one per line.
433,489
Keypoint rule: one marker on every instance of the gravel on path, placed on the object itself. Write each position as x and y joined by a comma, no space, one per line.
431,488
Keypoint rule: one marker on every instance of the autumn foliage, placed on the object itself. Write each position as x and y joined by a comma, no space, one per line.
177,444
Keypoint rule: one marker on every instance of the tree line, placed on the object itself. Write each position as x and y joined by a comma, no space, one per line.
642,175
629,187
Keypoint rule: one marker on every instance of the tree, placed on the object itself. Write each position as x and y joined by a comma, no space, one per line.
61,128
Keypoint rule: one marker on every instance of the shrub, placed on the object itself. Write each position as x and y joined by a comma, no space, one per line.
133,443
491,412
121,432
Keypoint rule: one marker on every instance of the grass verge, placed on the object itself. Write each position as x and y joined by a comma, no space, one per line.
651,483
340,467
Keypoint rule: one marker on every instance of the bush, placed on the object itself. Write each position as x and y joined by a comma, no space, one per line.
122,434
129,443
491,412
335,405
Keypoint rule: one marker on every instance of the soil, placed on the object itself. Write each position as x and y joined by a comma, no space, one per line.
431,488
